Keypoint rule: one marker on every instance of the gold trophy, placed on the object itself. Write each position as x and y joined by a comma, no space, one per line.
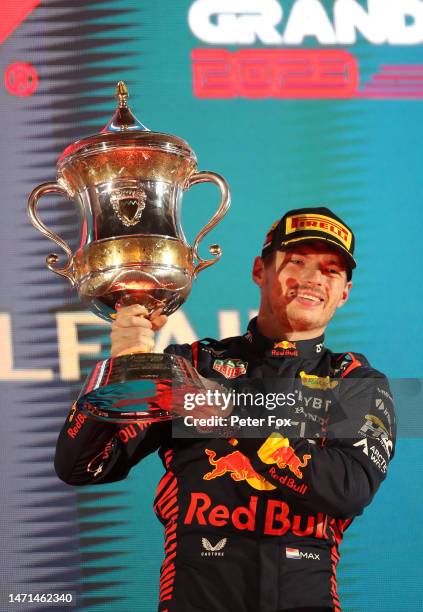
127,183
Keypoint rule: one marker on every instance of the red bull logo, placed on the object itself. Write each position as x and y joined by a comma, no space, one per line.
285,344
275,514
239,467
79,421
276,449
285,347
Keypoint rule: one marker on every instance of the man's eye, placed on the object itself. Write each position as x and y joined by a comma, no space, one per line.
296,260
333,271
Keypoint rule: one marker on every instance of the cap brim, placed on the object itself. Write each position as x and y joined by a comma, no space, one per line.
347,255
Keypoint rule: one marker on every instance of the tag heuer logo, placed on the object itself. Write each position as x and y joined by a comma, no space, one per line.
128,205
213,551
230,368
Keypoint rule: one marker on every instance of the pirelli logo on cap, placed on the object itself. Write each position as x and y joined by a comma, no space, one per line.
320,223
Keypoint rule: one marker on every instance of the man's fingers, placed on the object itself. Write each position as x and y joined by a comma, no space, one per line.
134,334
127,315
136,316
128,320
158,322
133,309
157,318
119,349
156,312
127,340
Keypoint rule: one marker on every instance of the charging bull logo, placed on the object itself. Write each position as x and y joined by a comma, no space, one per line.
277,450
239,467
285,344
285,348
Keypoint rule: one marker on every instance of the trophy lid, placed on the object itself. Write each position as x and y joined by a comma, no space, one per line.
123,120
122,131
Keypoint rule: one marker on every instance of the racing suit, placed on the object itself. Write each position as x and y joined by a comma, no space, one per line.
253,524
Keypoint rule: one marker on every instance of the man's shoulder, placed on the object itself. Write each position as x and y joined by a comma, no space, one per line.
209,346
351,364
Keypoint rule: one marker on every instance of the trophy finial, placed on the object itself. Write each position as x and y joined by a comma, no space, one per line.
122,94
123,120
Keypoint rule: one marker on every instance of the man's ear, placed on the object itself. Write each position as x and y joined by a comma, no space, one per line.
258,270
345,294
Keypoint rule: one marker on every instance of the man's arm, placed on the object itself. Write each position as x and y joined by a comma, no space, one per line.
342,472
90,451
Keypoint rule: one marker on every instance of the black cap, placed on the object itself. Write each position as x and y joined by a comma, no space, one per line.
316,223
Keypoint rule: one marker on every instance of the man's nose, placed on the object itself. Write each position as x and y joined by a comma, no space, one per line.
312,274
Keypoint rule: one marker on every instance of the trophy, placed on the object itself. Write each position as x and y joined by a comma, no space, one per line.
127,183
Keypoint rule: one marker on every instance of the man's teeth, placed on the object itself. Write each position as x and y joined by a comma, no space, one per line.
312,298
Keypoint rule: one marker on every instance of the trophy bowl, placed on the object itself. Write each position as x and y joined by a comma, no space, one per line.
127,184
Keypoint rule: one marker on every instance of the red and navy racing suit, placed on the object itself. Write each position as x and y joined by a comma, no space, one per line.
253,524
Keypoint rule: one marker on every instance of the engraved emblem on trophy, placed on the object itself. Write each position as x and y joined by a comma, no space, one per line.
127,183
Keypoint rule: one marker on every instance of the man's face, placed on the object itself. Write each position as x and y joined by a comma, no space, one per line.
302,287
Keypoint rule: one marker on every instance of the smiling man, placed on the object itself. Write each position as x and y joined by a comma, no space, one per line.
304,273
254,516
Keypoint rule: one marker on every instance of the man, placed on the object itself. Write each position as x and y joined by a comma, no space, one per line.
253,520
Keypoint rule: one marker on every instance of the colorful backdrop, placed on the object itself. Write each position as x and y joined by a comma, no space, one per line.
296,103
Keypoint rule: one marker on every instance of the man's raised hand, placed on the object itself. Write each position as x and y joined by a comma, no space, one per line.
133,332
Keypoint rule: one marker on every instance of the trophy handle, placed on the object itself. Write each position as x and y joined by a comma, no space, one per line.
52,258
214,249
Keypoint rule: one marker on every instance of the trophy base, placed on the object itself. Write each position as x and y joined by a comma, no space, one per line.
137,387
